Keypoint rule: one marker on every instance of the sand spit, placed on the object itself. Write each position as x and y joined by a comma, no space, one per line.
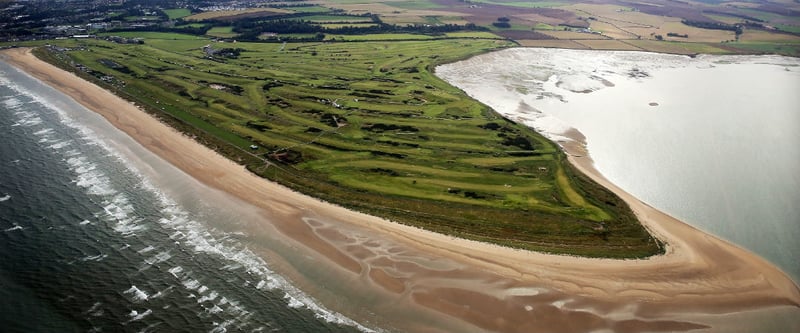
701,282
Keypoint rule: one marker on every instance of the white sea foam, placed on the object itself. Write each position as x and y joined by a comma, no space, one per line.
94,307
95,181
191,284
146,249
161,293
222,327
293,302
186,231
28,122
210,297
59,145
14,228
137,294
12,103
175,271
98,257
155,259
135,315
42,132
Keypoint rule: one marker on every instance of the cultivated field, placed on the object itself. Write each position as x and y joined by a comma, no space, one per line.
234,14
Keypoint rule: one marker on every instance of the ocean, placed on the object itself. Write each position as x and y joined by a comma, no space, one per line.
711,140
97,234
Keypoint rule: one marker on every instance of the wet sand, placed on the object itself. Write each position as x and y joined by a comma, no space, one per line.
701,282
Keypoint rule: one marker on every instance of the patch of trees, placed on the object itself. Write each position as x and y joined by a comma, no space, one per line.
332,120
228,52
490,126
737,28
252,28
388,172
387,154
502,22
753,25
518,141
257,126
673,34
157,28
389,127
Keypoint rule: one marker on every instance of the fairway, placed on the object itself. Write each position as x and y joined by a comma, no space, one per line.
367,125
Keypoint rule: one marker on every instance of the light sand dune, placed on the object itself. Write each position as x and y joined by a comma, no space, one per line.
700,282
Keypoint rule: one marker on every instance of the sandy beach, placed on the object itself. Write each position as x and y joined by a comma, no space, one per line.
702,282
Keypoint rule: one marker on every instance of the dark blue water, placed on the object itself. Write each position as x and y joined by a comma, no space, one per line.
89,244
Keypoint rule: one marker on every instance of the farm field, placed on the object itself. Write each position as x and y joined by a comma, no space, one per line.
367,125
233,14
530,23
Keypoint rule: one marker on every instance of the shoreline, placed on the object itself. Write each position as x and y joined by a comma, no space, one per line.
698,274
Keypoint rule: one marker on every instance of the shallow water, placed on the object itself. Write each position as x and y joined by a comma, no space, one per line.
711,140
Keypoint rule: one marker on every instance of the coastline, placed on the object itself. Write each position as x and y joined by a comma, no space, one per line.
699,273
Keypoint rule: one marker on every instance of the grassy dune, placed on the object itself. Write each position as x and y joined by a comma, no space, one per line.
368,126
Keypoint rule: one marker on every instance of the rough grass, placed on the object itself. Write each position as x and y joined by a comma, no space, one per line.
368,126
177,13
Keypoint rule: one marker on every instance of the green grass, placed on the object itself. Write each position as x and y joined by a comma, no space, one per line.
378,37
789,28
790,49
177,13
368,126
222,32
545,26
